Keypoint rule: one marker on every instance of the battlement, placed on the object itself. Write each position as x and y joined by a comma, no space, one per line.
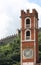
33,13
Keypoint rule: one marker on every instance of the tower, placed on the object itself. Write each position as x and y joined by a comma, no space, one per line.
29,37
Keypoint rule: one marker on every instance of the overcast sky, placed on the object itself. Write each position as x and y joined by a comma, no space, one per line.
10,14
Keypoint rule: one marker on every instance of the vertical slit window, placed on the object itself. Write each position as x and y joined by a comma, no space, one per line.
27,35
27,23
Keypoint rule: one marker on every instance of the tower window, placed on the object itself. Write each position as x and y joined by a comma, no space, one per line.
27,23
27,35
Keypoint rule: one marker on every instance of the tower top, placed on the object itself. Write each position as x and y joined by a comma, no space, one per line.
28,13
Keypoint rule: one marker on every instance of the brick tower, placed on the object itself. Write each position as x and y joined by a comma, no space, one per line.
29,37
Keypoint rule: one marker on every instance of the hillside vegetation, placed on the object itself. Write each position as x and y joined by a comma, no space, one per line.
39,42
10,50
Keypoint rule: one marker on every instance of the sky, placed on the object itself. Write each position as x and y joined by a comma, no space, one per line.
10,12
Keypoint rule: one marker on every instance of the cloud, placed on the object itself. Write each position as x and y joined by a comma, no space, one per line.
10,11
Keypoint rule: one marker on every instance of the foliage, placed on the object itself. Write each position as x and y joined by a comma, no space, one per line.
10,52
39,42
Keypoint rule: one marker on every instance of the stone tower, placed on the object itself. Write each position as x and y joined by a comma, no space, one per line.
29,37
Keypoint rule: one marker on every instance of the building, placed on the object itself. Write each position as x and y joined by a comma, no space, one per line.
29,37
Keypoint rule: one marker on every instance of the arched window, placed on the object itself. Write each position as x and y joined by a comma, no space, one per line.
27,23
27,35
